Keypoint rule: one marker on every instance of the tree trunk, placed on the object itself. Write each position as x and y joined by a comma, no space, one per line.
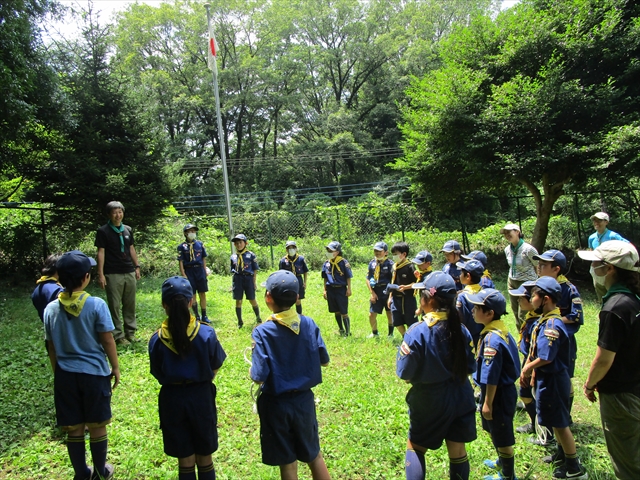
544,208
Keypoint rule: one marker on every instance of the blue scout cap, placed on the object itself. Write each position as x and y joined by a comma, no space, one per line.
381,246
333,246
422,257
490,298
451,246
476,255
290,243
553,256
240,236
472,266
440,283
281,283
189,226
74,264
524,290
174,286
550,286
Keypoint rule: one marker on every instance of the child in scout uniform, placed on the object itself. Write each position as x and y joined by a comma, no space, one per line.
402,302
452,252
436,357
78,328
244,267
193,265
549,356
185,356
526,329
295,263
48,288
288,353
422,262
498,367
485,281
553,263
470,275
337,275
378,277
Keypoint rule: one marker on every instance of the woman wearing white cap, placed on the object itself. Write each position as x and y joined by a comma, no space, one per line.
602,234
522,266
614,371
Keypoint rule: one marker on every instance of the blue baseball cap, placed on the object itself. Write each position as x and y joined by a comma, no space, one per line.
174,286
550,286
422,257
240,236
476,255
553,256
74,264
281,283
334,246
189,226
524,290
472,266
439,283
381,246
451,246
290,243
490,298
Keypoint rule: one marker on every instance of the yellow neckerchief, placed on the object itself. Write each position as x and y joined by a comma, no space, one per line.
165,335
293,261
376,272
486,274
434,317
43,279
192,256
530,317
397,266
288,318
495,326
334,264
240,259
419,274
562,279
472,289
533,350
73,303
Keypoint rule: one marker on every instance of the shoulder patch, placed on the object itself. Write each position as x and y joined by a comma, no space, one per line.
346,264
489,352
577,301
404,349
458,304
551,333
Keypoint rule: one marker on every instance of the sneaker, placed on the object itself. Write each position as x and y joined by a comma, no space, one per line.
108,473
122,341
492,464
373,335
562,472
240,324
205,320
258,320
528,428
555,460
342,333
499,476
550,442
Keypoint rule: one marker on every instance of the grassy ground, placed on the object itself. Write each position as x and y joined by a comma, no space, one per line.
361,408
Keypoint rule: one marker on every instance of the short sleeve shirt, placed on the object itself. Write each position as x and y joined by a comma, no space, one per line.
192,257
552,344
595,239
497,360
250,265
524,263
570,305
298,267
386,271
115,259
337,275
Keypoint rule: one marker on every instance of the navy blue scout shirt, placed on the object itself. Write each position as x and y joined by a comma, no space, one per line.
285,361
526,331
384,277
191,253
250,263
454,271
570,305
486,282
425,356
498,362
336,275
404,276
198,365
299,266
465,307
550,341
46,292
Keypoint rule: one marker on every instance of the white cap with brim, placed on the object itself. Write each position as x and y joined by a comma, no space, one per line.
508,227
600,216
614,252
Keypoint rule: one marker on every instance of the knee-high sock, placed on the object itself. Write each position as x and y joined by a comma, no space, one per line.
339,320
76,450
414,468
98,447
187,473
256,310
239,314
459,468
531,410
347,325
508,463
390,330
206,473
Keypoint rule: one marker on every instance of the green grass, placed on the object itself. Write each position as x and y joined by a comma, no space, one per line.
361,408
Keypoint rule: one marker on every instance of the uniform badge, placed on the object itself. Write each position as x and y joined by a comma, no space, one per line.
404,349
346,264
458,304
577,301
551,333
489,354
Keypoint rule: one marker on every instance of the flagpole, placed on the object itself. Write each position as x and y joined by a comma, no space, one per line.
223,156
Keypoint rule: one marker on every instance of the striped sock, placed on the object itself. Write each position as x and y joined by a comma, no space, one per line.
76,450
207,472
414,467
459,468
507,462
98,447
187,473
571,460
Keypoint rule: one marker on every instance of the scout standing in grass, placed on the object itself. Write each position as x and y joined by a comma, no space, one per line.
549,357
48,288
485,281
498,367
185,356
402,302
337,275
288,353
436,357
452,251
295,263
78,328
244,268
193,265
378,277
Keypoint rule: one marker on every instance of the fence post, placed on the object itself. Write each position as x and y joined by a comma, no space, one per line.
270,240
402,223
338,220
519,219
576,211
45,247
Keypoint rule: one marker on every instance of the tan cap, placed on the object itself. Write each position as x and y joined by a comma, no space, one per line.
600,216
614,252
508,227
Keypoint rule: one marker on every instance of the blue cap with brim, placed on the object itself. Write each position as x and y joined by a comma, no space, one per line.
334,246
524,290
290,243
239,236
476,255
281,283
439,283
451,246
550,286
490,298
381,246
422,257
472,266
553,256
74,264
174,286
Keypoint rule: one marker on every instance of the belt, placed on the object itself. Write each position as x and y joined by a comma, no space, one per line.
193,266
244,274
336,286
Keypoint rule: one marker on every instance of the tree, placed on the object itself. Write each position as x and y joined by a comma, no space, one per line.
529,100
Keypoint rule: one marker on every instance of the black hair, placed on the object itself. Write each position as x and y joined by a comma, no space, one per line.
400,247
486,309
69,282
286,300
457,341
49,267
179,318
629,279
475,278
536,290
112,206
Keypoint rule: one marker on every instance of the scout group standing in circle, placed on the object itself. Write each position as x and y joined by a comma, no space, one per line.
454,341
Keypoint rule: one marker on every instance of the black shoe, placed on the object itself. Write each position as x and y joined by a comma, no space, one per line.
205,320
528,428
240,323
563,472
108,473
555,460
258,320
